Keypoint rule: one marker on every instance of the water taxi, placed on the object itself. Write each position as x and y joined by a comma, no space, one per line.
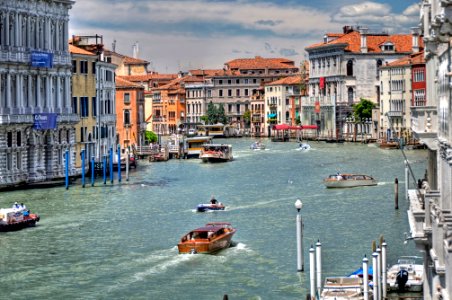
406,275
216,153
348,180
16,218
208,239
257,146
343,288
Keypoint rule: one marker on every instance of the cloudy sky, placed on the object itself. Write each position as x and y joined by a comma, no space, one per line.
187,34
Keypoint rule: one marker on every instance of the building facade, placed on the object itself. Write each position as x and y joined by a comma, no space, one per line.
430,205
344,68
36,118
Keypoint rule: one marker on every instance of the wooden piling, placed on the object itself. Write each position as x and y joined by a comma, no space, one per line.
396,193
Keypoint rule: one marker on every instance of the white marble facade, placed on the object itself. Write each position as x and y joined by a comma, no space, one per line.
28,155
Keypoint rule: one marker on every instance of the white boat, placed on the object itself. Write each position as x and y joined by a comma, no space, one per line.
304,146
341,288
257,146
216,153
407,275
346,180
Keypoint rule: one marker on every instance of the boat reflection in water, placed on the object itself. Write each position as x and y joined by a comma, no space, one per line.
209,239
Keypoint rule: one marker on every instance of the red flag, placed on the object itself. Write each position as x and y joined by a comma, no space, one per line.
317,107
322,83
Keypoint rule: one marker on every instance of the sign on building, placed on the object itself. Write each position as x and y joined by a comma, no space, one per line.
41,59
44,121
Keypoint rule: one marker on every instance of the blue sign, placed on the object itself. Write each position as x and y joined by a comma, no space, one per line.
41,59
45,121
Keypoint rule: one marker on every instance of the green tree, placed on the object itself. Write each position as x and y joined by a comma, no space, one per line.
298,120
211,113
205,119
363,109
221,115
150,136
247,118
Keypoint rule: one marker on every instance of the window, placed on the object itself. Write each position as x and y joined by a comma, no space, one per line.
9,139
229,93
350,68
126,117
237,107
254,80
109,76
74,105
94,108
19,139
84,108
246,92
237,81
74,66
229,107
237,92
246,81
229,81
397,85
220,93
419,97
83,67
220,81
82,136
350,95
126,98
418,75
93,67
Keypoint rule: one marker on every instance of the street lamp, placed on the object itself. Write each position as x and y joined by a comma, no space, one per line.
300,260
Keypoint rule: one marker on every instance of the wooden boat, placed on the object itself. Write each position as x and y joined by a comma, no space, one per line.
208,239
407,275
12,219
216,153
349,180
257,146
338,288
391,144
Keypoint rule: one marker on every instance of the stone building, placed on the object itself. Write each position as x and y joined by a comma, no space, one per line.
36,118
345,68
431,204
402,85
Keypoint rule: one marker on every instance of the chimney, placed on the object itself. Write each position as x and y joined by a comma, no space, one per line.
135,50
113,46
415,39
363,32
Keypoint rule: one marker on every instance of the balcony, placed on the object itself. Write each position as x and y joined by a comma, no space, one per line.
158,119
424,123
395,113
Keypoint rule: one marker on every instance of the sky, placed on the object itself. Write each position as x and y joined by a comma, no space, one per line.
179,35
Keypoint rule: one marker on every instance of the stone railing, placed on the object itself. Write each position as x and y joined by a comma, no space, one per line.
424,121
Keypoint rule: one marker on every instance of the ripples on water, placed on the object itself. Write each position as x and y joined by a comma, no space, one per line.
119,241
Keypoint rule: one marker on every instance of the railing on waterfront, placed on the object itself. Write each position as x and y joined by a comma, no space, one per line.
424,121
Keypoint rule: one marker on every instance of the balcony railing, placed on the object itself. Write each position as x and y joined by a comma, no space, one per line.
395,113
323,100
424,121
158,119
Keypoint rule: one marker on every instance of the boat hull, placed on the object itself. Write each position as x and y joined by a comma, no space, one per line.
209,207
28,221
349,184
205,246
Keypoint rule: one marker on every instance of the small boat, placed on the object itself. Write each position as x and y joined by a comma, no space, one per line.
349,180
216,153
304,146
210,207
388,144
208,239
257,146
343,288
12,219
407,275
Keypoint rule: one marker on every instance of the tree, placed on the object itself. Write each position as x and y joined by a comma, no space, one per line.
221,115
298,120
247,118
363,109
150,136
205,119
211,113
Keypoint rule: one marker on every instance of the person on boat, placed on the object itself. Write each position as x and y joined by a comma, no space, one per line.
213,200
16,205
22,206
339,176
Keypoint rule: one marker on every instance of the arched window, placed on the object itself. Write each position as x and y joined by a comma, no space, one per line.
350,95
350,68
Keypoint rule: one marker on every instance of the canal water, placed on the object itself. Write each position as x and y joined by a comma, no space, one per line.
118,241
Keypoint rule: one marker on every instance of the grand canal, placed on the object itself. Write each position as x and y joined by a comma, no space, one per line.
118,241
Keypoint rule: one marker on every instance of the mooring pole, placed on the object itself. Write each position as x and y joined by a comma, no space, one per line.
66,155
104,168
111,164
318,267
119,163
365,278
312,270
83,167
396,193
92,170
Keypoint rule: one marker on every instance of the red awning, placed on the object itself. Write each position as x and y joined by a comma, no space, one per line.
288,127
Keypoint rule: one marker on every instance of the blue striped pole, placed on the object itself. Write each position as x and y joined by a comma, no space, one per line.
92,171
83,167
104,167
67,168
119,163
111,165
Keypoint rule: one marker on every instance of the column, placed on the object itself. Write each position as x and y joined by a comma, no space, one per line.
38,92
65,34
57,36
16,30
66,98
8,91
19,94
7,28
29,37
30,93
2,103
47,37
47,94
58,95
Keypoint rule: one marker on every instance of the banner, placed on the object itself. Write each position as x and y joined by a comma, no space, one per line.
41,59
44,121
322,83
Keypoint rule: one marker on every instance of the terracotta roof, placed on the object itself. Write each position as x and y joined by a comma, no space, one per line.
124,83
150,76
291,80
76,50
259,62
352,42
176,83
412,59
127,59
200,72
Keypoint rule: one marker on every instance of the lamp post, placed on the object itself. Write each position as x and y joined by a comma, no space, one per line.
300,260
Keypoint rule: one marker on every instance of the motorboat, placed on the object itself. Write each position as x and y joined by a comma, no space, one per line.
338,288
304,146
216,153
208,239
12,219
257,146
210,207
407,275
349,180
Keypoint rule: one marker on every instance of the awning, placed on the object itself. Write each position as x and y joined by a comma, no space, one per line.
288,127
271,115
